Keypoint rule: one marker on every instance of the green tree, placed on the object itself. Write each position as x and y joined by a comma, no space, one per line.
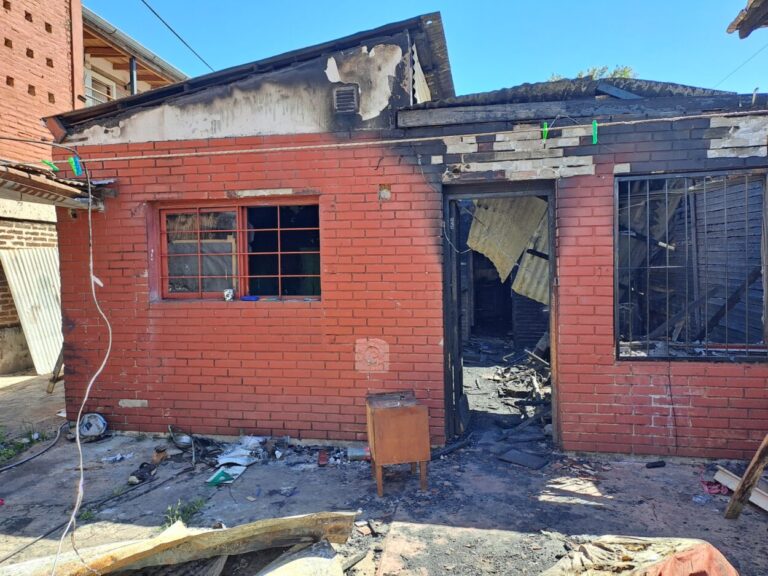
598,72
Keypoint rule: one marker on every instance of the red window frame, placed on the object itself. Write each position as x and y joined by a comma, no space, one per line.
240,253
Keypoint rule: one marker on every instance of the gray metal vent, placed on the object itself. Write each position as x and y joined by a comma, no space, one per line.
345,99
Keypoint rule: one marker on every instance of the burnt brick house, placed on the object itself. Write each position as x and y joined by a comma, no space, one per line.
290,234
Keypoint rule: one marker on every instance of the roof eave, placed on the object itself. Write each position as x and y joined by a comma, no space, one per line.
126,43
430,24
754,16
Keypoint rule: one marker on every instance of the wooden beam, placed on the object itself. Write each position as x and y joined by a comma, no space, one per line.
732,300
751,18
144,73
590,108
748,481
104,53
672,320
180,544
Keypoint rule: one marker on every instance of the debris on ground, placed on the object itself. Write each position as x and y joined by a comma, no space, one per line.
225,475
92,426
179,545
758,495
609,555
117,458
143,473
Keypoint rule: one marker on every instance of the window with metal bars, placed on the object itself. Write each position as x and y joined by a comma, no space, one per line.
272,252
690,266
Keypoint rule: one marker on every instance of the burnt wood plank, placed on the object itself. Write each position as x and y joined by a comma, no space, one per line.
591,108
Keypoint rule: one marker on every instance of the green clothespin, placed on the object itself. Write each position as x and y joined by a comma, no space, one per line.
594,131
50,165
74,163
545,131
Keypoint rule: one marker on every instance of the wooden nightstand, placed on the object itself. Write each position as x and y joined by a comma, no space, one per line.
398,433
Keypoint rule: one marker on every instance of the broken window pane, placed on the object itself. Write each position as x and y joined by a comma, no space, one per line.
262,217
265,265
300,264
262,241
284,242
300,241
203,252
299,217
689,279
263,286
301,286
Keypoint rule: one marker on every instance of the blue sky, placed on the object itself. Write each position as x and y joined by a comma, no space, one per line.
491,44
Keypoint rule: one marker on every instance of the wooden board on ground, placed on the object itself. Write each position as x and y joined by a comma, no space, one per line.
180,544
759,496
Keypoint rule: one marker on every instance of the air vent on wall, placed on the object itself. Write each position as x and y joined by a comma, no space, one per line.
345,99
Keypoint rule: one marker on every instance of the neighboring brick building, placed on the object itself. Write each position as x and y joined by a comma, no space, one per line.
323,187
55,55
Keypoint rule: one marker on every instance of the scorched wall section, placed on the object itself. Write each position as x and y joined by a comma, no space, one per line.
294,367
646,406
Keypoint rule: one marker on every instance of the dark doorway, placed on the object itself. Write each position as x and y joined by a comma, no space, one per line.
498,288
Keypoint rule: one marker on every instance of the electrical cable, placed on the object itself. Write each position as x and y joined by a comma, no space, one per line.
81,465
81,482
177,34
98,504
51,445
740,66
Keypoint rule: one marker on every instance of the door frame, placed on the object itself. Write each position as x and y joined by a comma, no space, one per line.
452,365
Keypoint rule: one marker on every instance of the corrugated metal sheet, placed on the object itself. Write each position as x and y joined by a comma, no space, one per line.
33,276
502,228
532,277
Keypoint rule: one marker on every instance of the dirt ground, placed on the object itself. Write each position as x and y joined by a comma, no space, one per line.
25,406
480,515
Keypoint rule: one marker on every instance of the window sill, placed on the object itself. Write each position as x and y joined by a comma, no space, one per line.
729,359
235,303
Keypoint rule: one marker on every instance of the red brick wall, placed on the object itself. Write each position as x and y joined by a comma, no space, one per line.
259,367
20,234
36,72
681,408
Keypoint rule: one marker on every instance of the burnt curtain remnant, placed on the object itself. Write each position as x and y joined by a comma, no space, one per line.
690,277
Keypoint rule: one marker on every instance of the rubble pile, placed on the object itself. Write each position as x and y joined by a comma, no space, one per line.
525,385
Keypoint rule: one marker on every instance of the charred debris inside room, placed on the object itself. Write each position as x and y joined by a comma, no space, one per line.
690,257
503,285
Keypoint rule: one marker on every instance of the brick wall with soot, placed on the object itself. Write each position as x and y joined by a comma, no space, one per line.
259,367
713,409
